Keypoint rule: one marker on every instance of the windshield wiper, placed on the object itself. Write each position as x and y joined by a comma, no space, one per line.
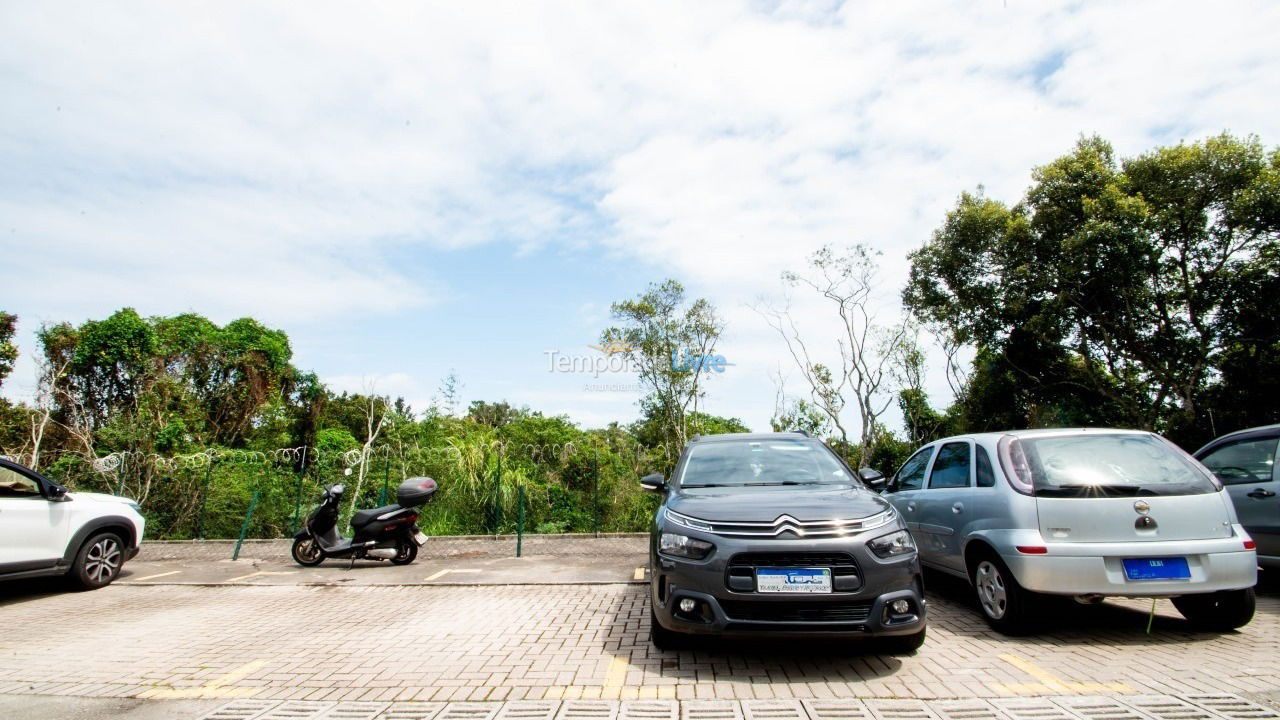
702,485
780,482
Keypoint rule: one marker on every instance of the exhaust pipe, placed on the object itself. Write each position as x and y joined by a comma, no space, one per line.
382,553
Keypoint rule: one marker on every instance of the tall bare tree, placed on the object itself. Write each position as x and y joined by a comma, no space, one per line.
846,279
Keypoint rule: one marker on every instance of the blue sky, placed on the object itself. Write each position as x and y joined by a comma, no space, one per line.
409,189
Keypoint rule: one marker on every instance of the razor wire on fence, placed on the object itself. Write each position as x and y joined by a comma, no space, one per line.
491,485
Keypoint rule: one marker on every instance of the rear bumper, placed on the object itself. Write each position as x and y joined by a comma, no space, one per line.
1097,568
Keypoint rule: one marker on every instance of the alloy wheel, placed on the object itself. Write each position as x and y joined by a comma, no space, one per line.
102,562
992,593
308,550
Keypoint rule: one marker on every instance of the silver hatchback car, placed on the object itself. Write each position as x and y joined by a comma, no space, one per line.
1080,513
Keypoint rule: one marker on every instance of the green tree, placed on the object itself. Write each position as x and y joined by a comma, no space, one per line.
1114,291
8,350
659,331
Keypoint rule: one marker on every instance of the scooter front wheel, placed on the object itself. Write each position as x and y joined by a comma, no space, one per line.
307,552
406,552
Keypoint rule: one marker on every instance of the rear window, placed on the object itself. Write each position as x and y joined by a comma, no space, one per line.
763,462
1110,465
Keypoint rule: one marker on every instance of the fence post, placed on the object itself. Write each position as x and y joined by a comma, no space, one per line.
386,480
497,497
302,479
244,529
520,522
204,496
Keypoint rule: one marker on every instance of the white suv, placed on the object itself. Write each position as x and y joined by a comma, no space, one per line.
45,530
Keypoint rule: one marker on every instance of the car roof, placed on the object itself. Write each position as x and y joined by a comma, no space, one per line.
742,437
1043,432
1260,430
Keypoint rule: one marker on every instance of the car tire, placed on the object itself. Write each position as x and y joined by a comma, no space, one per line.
903,644
664,639
1005,604
1218,612
306,552
406,552
98,562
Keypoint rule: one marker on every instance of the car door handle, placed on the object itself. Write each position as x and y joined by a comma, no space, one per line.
1260,493
957,508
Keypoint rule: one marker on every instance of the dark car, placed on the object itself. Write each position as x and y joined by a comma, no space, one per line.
1245,462
773,535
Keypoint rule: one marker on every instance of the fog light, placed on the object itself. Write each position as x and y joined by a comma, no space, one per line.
687,605
901,607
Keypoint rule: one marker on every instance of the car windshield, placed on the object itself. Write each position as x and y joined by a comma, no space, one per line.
761,462
1109,465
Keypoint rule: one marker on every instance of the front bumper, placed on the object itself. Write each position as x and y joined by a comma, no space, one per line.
1097,568
862,612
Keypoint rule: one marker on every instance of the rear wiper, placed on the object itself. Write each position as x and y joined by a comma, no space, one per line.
1100,490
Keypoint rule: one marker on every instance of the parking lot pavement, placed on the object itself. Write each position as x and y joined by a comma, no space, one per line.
499,641
441,561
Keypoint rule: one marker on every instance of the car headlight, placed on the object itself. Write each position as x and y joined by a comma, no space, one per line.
684,546
893,544
136,507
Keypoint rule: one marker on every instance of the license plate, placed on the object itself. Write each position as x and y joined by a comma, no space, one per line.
1170,568
793,580
419,538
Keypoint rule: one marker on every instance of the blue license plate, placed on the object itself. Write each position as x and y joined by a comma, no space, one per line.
1169,568
793,580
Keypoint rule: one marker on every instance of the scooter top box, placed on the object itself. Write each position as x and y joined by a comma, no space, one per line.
415,491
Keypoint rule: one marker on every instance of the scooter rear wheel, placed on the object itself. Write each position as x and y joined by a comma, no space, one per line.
406,552
307,553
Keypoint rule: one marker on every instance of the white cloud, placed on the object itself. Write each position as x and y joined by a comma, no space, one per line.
282,160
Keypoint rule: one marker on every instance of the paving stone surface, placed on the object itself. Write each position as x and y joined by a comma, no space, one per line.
372,644
1213,706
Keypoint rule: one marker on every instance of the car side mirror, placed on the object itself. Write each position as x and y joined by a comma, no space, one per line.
873,479
653,483
57,493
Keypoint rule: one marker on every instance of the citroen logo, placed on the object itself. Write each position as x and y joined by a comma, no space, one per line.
1142,507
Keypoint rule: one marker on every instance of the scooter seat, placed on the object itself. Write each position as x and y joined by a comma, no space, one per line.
364,517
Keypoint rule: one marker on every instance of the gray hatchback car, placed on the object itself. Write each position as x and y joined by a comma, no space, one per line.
1081,513
773,535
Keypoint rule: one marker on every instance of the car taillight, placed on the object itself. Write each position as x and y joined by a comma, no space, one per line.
1249,544
1032,549
1013,460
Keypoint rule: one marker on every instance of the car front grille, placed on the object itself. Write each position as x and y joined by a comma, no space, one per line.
785,526
741,570
793,611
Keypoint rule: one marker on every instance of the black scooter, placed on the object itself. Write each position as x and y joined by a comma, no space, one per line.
385,533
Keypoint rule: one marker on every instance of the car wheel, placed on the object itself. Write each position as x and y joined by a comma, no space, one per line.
665,639
406,552
1004,603
1219,611
99,561
903,644
306,552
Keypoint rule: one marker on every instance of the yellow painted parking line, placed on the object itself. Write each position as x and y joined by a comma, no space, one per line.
213,688
639,574
1050,683
442,573
617,673
158,575
260,574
